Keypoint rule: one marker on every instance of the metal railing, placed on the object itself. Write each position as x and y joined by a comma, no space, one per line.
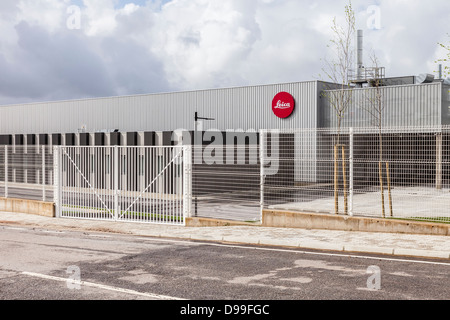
392,173
26,172
134,184
399,173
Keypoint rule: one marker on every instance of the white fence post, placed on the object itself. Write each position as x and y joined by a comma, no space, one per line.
116,183
439,161
6,171
43,173
262,178
351,173
57,180
187,178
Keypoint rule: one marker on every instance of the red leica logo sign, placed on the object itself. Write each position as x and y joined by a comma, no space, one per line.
283,105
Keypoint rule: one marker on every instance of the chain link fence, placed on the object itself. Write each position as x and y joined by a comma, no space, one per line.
393,173
226,182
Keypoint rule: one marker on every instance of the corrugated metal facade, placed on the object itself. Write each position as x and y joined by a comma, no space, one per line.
446,104
416,105
243,108
246,108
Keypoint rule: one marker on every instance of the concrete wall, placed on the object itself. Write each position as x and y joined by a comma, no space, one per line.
288,219
27,206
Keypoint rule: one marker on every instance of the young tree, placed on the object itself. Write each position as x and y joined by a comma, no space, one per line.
374,105
339,94
446,60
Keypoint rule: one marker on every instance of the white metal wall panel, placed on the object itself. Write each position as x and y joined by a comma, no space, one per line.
232,108
445,110
406,105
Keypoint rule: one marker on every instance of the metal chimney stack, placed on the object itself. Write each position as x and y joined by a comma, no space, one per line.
359,54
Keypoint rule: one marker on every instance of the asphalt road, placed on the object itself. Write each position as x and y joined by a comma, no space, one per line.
39,264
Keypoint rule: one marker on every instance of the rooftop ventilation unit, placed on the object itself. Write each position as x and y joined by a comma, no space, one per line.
425,78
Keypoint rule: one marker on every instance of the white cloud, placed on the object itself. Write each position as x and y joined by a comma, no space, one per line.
101,17
158,45
407,42
202,41
47,13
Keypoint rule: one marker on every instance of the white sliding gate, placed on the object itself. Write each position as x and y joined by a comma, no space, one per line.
136,184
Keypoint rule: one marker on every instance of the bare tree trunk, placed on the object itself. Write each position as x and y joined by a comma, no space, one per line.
336,200
380,173
391,210
380,167
380,162
338,72
336,168
344,176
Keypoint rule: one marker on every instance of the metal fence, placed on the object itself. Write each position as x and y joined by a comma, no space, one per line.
26,172
392,173
226,182
135,184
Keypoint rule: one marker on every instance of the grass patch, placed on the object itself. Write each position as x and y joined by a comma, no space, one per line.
444,220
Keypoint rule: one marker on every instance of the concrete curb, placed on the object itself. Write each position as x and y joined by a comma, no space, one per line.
325,246
421,253
228,237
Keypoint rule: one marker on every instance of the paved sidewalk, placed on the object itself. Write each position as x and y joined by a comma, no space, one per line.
349,242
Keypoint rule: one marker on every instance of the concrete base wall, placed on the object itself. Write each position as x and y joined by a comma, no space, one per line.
288,219
40,208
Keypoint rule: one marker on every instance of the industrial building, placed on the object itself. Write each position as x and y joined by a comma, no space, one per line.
301,113
150,119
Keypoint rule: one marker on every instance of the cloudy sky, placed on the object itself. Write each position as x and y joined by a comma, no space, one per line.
69,49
